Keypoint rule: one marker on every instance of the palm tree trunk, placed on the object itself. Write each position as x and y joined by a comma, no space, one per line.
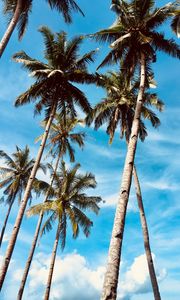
5,39
146,237
51,268
5,222
34,242
112,272
22,208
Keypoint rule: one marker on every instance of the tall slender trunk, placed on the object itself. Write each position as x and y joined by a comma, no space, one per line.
22,208
5,222
34,242
112,272
51,268
5,39
146,237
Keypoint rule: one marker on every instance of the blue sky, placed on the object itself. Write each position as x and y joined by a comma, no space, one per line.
80,267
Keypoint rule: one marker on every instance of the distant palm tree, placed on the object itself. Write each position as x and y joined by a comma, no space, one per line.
60,137
14,177
117,110
134,40
18,12
69,202
54,86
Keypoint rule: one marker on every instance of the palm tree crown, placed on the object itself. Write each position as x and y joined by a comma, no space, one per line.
14,177
54,79
15,174
135,32
62,136
68,202
118,107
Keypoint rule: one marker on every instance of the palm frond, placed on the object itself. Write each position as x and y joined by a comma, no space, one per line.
84,202
23,19
74,224
42,167
142,131
72,49
175,25
44,207
84,222
5,182
48,225
40,186
29,63
156,19
151,116
79,98
81,183
78,138
168,46
86,59
71,152
65,7
63,228
8,159
110,59
4,171
35,91
48,37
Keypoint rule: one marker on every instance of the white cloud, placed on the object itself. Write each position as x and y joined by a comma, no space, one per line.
136,279
109,151
161,242
6,238
23,236
112,200
160,137
107,179
72,273
162,184
74,278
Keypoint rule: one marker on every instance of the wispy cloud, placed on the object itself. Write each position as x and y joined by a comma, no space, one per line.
23,237
108,152
161,185
112,200
154,136
14,84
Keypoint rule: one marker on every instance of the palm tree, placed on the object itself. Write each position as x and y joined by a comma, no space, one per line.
134,40
53,87
117,110
68,202
60,137
14,177
18,12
